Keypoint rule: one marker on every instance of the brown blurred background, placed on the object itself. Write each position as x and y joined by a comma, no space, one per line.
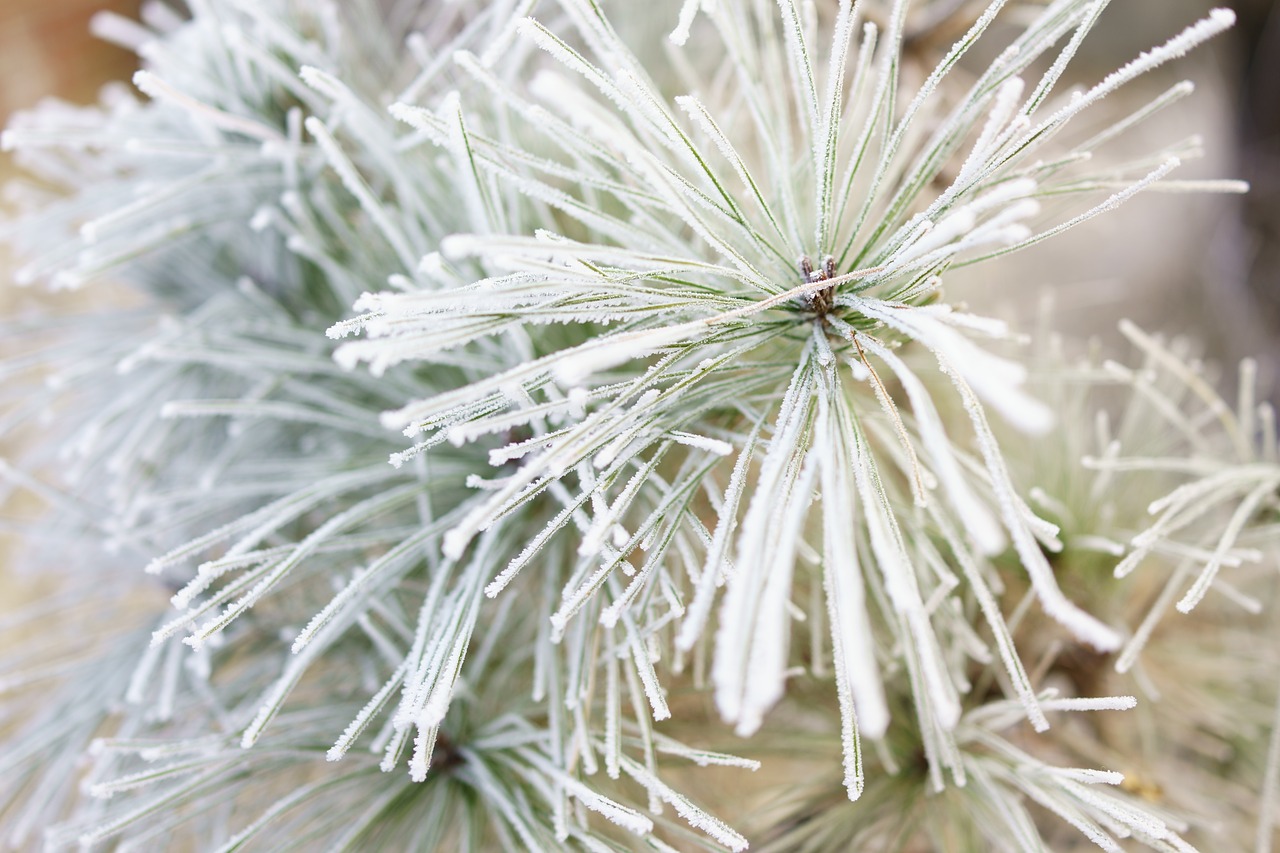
46,50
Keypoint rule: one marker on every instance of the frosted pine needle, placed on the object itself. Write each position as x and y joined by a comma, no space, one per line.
663,334
690,404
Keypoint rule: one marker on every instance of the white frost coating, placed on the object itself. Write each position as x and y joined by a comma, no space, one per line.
357,726
614,350
861,695
900,583
945,231
154,87
518,562
758,555
456,540
991,611
276,695
262,218
715,566
629,819
470,181
120,31
1088,20
1088,776
1191,501
1128,816
1005,227
767,670
424,745
978,520
1100,703
628,94
1016,519
1218,21
1098,543
356,185
703,758
651,274
695,110
994,379
437,705
577,399
701,442
460,246
649,529
573,602
826,131
914,230
1017,189
593,539
648,677
1234,527
630,427
922,480
826,357
432,264
323,82
1109,204
688,11
694,816
1002,107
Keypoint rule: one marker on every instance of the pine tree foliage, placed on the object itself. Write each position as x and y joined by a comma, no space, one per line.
643,381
